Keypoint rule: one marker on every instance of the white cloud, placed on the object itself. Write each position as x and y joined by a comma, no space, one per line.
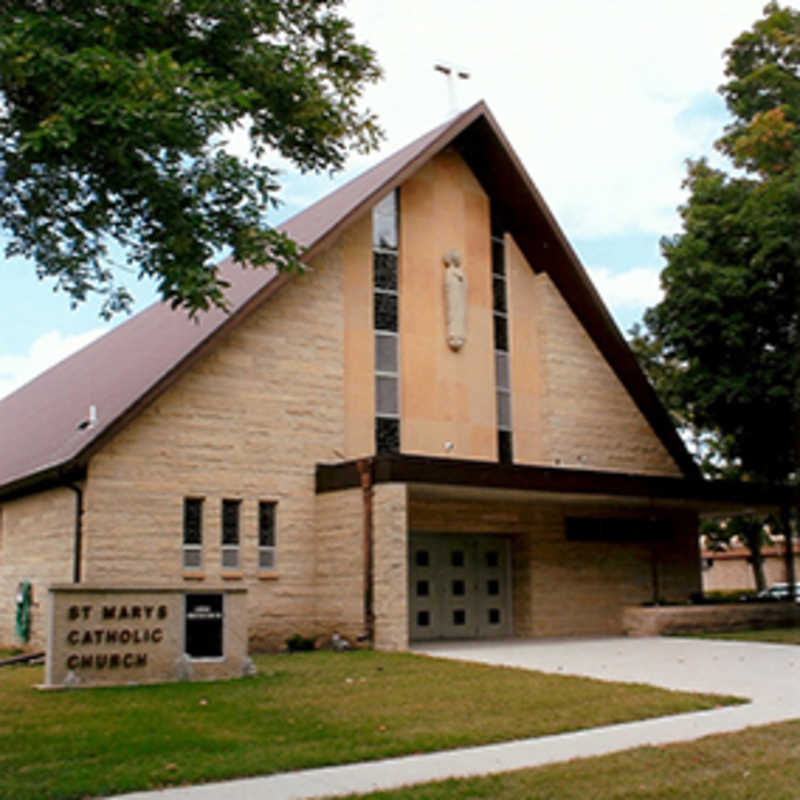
599,99
589,93
631,289
45,351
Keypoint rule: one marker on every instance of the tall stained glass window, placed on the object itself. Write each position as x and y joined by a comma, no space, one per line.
385,310
502,368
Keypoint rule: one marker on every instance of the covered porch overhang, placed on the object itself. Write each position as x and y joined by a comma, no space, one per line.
459,477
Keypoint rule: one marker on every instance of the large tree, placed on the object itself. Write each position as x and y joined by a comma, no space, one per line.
727,328
113,126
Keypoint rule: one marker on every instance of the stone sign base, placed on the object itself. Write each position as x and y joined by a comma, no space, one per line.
111,636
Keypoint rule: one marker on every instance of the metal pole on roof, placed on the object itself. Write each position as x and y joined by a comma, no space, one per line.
452,72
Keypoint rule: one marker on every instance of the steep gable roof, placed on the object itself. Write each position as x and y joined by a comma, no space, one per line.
43,440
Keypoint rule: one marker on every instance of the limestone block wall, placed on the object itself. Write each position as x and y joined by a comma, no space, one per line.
527,325
248,422
390,532
583,416
564,588
37,536
339,558
359,339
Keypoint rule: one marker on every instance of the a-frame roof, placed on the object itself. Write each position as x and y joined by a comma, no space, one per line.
43,438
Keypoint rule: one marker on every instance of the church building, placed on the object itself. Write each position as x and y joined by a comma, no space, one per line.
435,431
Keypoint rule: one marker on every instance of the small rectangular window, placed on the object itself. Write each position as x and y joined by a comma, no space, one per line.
266,535
501,332
505,454
385,223
387,435
384,266
502,375
230,533
498,256
503,410
499,295
386,392
385,312
192,533
386,353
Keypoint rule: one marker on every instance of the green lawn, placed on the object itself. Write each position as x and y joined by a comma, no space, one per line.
755,764
777,635
301,711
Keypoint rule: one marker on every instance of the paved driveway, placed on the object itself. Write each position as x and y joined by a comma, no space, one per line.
767,674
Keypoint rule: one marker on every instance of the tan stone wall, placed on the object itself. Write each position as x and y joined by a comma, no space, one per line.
390,532
248,422
446,395
339,557
562,588
359,339
527,328
37,537
590,419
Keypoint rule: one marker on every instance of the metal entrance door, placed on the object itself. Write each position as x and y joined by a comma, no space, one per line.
459,586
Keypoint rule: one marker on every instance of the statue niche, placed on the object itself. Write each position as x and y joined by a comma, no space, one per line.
455,299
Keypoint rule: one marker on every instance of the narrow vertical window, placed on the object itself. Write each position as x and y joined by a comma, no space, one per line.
385,307
266,535
230,533
502,368
192,533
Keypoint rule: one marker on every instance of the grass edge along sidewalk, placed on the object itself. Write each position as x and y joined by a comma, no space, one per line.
752,764
301,711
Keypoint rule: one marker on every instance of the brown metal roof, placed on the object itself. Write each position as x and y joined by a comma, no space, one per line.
41,437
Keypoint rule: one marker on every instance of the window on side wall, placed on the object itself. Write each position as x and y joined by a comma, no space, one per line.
230,533
192,533
266,535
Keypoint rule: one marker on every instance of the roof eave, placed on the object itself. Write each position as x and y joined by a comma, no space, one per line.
719,497
61,475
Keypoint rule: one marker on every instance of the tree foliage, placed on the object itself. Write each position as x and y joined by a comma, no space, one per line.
727,328
113,125
722,347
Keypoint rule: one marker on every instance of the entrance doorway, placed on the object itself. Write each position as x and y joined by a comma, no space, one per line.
459,586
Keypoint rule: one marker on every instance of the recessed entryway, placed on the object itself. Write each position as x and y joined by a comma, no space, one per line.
459,586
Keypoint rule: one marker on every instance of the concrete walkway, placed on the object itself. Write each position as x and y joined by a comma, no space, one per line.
767,674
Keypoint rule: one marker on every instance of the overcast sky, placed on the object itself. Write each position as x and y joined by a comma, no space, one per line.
603,101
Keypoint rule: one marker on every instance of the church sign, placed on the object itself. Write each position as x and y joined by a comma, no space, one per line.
102,636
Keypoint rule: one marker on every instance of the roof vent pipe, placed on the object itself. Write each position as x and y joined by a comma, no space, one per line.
90,422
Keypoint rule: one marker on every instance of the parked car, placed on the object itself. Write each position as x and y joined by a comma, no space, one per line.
778,591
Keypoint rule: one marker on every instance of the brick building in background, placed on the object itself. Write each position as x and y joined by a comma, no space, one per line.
333,445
